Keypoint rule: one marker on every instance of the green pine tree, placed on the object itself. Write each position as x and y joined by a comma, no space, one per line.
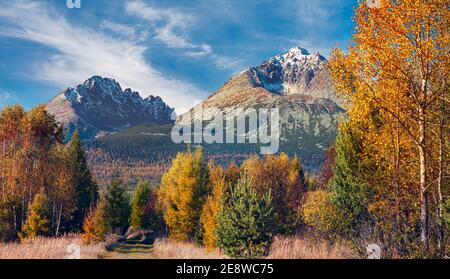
117,207
86,189
246,222
347,187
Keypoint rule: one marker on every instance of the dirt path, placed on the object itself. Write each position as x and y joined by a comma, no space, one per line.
129,250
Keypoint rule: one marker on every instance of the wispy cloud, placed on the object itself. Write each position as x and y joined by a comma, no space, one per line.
314,12
6,98
82,52
205,49
129,32
172,26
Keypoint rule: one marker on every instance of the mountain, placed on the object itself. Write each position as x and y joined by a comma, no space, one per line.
99,106
296,82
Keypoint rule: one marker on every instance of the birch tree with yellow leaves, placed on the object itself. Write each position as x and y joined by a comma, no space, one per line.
395,77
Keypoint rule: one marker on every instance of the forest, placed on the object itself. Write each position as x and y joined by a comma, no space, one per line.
385,180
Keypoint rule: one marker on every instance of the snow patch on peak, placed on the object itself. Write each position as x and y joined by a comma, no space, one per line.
288,73
108,85
72,95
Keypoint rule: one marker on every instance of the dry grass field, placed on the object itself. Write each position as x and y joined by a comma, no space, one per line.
66,247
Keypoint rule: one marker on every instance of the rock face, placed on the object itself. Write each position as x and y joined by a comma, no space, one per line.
298,83
100,106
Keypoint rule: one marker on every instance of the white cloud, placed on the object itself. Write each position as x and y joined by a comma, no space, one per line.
314,12
127,31
203,51
171,27
83,52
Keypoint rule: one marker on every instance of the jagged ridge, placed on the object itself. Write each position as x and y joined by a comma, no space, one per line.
100,106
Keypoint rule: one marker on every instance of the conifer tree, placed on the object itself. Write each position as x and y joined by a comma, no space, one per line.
86,189
246,222
347,187
117,207
37,223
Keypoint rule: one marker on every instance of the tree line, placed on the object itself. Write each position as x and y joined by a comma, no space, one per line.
46,187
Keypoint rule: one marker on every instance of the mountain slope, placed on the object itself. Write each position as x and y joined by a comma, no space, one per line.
100,106
297,83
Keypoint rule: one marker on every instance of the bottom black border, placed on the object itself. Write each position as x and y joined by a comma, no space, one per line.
168,268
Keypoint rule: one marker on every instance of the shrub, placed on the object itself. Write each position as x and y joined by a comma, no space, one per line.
319,212
246,222
144,213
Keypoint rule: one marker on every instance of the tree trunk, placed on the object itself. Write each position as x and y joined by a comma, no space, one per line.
423,183
440,199
59,220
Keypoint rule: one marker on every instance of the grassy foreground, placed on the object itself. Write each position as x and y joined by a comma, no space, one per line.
67,248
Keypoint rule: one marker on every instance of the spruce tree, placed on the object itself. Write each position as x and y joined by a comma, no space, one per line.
347,187
86,189
117,207
246,222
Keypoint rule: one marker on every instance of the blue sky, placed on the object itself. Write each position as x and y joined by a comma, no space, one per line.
179,50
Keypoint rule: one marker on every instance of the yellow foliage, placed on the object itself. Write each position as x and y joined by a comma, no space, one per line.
284,179
213,205
318,212
94,227
181,194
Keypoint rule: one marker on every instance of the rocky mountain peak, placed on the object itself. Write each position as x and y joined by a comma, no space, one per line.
99,105
295,72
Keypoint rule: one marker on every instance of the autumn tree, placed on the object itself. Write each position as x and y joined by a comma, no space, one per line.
284,178
37,223
318,212
395,76
182,193
34,159
213,204
95,227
